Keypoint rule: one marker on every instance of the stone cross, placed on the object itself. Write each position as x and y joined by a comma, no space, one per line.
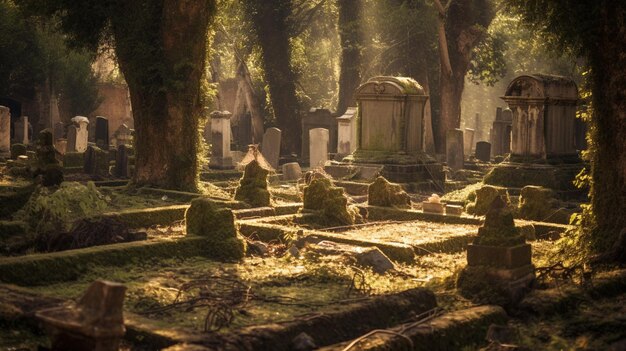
82,133
5,131
270,148
454,149
220,140
318,147
102,132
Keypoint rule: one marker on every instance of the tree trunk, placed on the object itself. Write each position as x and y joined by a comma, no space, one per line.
272,31
161,52
608,64
461,27
350,17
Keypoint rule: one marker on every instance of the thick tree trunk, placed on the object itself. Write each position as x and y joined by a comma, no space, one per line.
350,17
608,64
163,63
270,23
461,27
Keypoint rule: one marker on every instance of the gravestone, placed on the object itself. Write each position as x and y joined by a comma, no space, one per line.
468,141
220,140
292,171
501,132
454,149
121,162
59,130
102,132
21,130
318,147
96,161
82,133
72,131
123,135
5,131
544,115
270,148
318,118
483,151
346,132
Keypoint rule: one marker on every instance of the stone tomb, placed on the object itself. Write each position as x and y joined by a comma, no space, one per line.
346,133
270,148
220,140
501,132
318,118
5,131
390,130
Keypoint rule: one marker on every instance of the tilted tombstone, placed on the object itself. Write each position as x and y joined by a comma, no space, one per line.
102,132
468,141
292,171
5,131
72,131
483,151
318,147
454,149
121,162
318,118
82,133
346,132
270,148
544,115
59,130
220,140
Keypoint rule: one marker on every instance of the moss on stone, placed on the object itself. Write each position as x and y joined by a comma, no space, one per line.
207,219
482,199
253,186
329,202
147,217
499,228
383,193
521,175
536,203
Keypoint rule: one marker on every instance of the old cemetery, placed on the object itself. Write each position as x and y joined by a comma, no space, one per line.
376,245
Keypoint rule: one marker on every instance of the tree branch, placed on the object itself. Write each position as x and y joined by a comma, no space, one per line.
444,55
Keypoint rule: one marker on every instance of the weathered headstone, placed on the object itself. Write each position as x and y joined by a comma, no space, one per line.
61,145
102,132
96,161
454,149
220,140
21,130
72,131
318,147
59,130
501,132
318,118
95,322
292,171
346,132
5,131
468,141
82,133
121,162
270,148
483,151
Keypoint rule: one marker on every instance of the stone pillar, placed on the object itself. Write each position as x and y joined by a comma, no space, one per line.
346,132
5,131
220,140
318,147
454,149
270,148
468,141
82,133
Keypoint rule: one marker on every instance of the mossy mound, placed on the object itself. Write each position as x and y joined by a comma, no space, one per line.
385,194
253,186
482,198
17,150
330,202
207,219
537,203
521,175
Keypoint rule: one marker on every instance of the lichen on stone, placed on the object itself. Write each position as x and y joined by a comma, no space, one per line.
536,203
385,194
329,202
217,224
253,186
482,199
499,228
